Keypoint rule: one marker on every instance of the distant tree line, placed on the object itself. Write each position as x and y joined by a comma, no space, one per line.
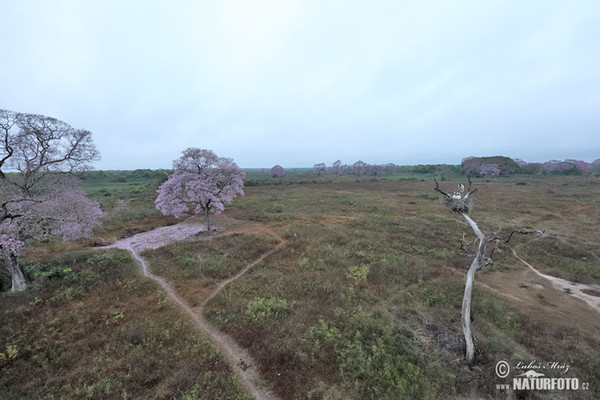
123,176
502,166
471,166
362,168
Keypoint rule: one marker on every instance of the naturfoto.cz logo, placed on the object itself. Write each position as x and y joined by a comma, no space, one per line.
534,379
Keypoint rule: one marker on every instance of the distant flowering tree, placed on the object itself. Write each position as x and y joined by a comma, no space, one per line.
201,181
374,169
336,168
549,166
489,170
565,168
360,167
319,168
582,166
276,171
38,200
471,166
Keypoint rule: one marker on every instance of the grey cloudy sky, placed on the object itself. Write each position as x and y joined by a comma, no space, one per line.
301,82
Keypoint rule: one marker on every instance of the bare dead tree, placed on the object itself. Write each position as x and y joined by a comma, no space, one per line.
463,204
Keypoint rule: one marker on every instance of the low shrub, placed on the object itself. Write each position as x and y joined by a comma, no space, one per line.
261,308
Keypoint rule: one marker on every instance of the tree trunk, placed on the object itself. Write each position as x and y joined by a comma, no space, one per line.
206,226
466,313
476,265
19,282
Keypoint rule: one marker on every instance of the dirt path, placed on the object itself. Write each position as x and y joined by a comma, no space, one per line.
542,296
239,359
572,288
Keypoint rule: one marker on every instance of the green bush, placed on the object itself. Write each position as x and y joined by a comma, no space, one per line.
375,358
262,308
34,270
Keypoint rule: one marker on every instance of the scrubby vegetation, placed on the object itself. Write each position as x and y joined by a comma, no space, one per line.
362,301
96,329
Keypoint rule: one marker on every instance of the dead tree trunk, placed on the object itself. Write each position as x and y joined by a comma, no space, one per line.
477,264
463,204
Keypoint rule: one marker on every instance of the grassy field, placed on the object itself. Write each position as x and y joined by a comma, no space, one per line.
362,301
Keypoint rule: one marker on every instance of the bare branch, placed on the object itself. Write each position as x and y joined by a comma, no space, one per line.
464,243
469,191
6,123
520,232
437,189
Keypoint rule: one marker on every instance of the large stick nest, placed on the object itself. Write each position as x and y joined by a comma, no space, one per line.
461,205
457,201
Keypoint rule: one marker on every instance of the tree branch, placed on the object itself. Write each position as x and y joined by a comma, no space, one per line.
520,232
437,189
469,191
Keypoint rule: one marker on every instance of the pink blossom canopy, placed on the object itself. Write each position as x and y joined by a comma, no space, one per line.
202,181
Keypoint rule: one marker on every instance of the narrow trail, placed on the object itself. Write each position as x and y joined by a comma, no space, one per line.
572,288
240,360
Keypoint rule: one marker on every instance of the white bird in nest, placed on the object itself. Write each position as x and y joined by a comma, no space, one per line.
458,195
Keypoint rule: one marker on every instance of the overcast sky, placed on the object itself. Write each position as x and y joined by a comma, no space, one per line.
301,82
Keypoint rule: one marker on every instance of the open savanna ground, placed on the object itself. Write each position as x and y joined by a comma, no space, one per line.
360,300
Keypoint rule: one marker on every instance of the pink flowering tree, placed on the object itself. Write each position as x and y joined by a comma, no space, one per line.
489,170
38,199
360,167
319,169
582,166
549,166
336,168
201,182
276,171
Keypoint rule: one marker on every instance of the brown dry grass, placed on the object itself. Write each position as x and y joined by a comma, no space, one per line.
397,333
416,278
104,333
